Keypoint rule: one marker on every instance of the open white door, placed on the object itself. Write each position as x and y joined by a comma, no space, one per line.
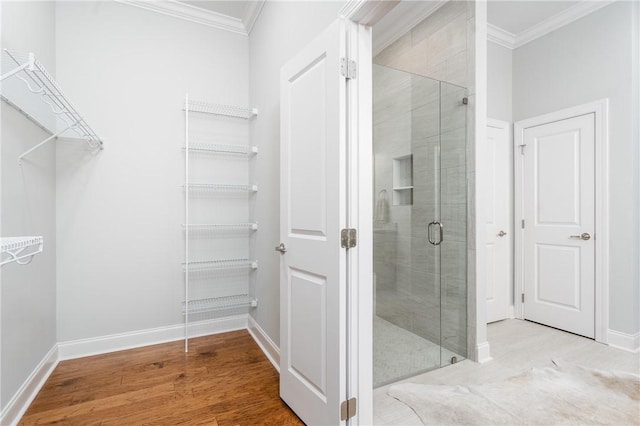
313,199
498,221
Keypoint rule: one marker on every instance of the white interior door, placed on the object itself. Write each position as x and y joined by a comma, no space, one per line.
499,221
558,235
313,211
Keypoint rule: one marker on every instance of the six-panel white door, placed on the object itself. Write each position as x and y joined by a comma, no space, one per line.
498,230
312,212
558,190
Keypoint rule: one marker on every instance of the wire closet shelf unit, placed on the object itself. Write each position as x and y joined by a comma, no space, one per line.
223,302
20,249
42,86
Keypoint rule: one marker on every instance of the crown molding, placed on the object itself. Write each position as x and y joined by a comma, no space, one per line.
367,12
406,15
202,16
513,41
251,13
499,36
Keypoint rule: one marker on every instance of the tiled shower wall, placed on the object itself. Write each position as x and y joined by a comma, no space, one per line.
441,48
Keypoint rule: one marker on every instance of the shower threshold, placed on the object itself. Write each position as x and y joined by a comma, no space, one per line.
399,354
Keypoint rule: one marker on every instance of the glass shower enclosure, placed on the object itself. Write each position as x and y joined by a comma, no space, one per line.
420,224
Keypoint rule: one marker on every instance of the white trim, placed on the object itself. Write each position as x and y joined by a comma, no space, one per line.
251,13
360,212
152,336
270,349
401,19
478,100
195,14
501,37
624,341
483,353
600,109
17,406
366,12
559,20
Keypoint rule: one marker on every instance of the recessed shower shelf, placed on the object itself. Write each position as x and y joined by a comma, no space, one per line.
12,249
213,265
217,109
223,149
221,226
221,187
224,302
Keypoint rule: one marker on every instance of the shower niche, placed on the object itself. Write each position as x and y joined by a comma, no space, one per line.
419,246
403,180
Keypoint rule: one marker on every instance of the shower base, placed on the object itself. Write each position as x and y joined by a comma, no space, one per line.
399,354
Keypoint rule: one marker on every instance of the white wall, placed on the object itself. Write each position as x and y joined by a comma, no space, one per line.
499,82
119,212
28,208
587,60
282,29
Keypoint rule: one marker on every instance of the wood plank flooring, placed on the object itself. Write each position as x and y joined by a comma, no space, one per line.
225,379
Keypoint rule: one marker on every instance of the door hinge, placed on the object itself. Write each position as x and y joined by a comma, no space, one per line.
522,297
522,223
348,238
348,409
465,101
348,68
522,147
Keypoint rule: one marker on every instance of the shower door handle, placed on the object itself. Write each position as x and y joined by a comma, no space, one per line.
440,228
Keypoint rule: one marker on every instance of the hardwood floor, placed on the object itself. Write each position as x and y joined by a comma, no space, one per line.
224,380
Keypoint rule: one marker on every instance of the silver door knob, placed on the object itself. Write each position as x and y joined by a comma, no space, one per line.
501,233
281,248
584,236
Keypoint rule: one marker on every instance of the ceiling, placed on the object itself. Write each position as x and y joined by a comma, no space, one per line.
233,8
511,23
519,16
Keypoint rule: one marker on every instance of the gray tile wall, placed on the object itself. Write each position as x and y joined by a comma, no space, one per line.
414,115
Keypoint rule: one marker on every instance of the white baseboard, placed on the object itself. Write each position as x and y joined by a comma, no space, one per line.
152,336
16,407
267,345
624,341
483,352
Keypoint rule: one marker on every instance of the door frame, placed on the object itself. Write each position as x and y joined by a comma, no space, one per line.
600,109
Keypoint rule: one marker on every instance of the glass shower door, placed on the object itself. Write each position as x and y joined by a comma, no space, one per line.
415,121
453,216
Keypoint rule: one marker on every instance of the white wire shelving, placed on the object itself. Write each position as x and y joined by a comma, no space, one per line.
225,302
218,109
41,84
20,249
220,187
222,149
221,226
196,189
213,265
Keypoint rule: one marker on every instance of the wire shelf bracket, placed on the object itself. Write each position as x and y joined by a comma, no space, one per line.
39,82
13,249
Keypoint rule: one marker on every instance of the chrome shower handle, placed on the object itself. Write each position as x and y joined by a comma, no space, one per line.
440,228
